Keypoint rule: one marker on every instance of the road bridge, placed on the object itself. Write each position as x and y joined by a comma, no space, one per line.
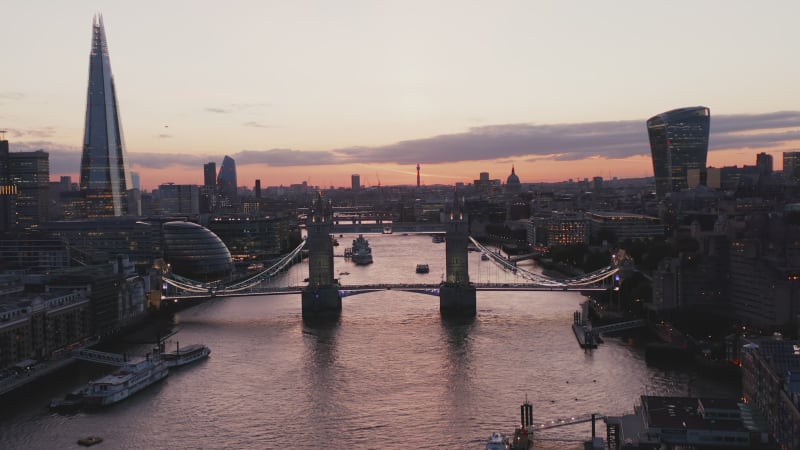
323,292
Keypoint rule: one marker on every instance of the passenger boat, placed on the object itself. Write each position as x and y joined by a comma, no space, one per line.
186,355
423,268
362,253
136,375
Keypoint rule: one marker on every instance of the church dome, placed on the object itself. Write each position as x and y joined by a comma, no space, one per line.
513,178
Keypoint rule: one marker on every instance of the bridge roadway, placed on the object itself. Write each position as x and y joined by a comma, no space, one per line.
428,289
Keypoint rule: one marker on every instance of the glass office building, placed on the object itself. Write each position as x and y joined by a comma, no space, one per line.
678,142
105,174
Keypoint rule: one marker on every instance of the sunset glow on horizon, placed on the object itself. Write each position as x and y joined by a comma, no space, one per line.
313,91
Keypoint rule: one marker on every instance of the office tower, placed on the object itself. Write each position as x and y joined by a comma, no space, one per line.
764,163
226,181
791,166
105,173
355,181
181,199
136,181
210,174
65,185
258,189
678,142
417,174
8,192
24,188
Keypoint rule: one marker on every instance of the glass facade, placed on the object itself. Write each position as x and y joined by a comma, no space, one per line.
226,181
105,174
195,252
678,142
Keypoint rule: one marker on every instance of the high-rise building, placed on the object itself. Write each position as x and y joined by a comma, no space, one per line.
226,181
764,163
678,142
179,199
105,172
24,188
355,181
791,166
210,174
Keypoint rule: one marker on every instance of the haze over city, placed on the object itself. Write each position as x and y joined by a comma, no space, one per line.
316,91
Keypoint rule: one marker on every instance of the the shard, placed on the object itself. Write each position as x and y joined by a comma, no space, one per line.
105,173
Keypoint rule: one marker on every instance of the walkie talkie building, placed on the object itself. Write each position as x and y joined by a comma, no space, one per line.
678,142
105,174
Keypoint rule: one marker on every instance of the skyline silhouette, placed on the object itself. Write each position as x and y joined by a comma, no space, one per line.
318,92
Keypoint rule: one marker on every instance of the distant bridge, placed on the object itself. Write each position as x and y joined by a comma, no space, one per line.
262,282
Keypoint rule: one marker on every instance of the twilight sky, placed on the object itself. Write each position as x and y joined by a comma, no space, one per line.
318,90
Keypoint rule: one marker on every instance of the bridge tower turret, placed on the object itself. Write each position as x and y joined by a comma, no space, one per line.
456,294
321,297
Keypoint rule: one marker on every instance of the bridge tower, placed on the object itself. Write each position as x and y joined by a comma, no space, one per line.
456,293
321,297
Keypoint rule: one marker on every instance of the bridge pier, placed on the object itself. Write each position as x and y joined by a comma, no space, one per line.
457,301
322,302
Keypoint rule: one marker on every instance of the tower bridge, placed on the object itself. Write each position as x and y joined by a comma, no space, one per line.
322,294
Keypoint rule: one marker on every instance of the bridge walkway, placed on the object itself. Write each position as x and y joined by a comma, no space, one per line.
97,356
619,326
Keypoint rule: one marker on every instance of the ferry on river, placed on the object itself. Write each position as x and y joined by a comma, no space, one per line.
186,355
136,375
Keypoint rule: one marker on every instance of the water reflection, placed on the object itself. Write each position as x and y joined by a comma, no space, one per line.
320,356
457,334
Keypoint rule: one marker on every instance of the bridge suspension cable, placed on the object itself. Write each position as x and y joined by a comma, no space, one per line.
506,264
189,285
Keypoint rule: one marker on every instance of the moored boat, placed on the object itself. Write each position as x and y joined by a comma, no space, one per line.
186,355
362,253
497,441
136,375
423,268
69,403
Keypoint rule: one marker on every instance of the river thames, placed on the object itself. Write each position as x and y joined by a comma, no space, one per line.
390,374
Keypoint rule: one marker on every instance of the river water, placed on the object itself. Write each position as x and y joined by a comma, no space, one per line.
389,374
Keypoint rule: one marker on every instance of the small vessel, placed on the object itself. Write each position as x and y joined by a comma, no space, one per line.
186,355
484,257
362,253
90,441
497,441
131,378
387,229
70,403
423,268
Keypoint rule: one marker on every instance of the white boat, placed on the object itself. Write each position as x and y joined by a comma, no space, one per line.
362,253
387,229
186,355
136,375
497,441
